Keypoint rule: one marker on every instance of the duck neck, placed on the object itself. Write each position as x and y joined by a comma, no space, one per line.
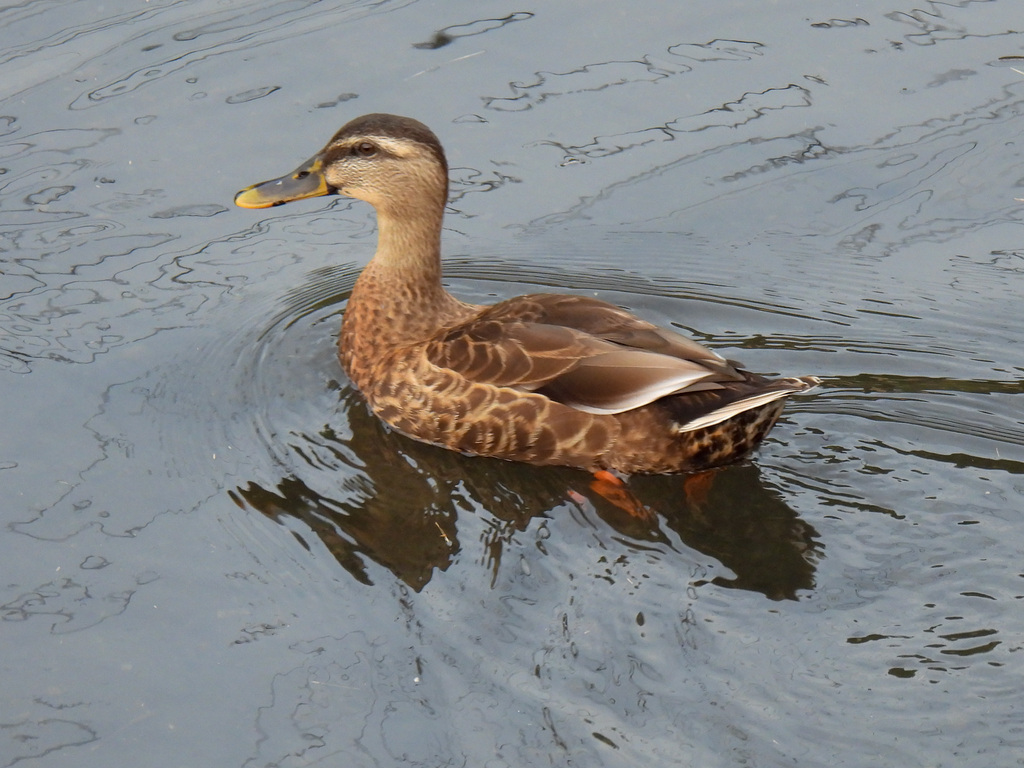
398,299
408,254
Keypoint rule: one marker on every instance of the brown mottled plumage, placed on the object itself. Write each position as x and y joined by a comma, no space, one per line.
544,378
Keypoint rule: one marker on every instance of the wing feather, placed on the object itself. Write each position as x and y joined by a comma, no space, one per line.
624,379
582,352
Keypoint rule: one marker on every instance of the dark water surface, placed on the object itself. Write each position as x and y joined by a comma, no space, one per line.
212,555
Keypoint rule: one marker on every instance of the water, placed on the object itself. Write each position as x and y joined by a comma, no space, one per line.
214,556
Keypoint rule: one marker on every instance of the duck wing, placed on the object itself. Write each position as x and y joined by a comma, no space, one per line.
584,353
609,322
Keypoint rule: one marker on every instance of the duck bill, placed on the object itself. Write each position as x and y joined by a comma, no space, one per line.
305,181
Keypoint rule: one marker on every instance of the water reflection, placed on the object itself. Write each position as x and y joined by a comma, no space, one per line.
401,509
681,58
450,34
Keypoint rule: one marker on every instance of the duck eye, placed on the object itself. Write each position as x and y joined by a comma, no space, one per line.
365,149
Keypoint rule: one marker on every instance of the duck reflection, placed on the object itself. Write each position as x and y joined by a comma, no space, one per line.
400,509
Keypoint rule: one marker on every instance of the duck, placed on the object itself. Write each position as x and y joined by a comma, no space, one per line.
544,378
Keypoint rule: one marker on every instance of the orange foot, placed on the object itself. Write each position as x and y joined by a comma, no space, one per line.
612,489
698,487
